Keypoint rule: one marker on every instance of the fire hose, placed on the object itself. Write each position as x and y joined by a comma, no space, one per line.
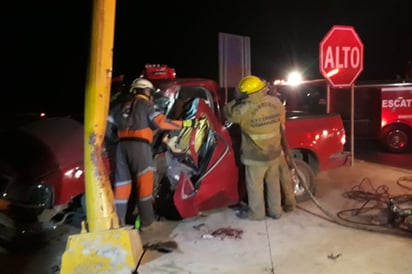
333,218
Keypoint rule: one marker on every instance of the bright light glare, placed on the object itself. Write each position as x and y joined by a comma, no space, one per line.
278,82
294,78
383,122
332,72
343,139
74,172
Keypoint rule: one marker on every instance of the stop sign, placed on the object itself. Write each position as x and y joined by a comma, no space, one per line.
341,56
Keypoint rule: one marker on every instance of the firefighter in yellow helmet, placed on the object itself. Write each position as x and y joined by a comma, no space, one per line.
260,117
134,159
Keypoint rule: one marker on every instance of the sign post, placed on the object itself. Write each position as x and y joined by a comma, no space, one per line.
341,62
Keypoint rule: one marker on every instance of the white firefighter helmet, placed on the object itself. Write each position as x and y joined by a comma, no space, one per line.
141,84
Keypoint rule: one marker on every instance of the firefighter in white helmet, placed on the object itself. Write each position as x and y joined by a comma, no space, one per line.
260,117
134,159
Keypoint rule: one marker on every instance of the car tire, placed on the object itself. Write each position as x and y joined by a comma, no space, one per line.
395,138
304,175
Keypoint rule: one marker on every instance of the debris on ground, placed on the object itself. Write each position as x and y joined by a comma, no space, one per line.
207,236
223,232
164,247
334,257
199,226
229,232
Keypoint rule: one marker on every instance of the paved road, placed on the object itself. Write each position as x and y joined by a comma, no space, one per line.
271,246
42,259
372,151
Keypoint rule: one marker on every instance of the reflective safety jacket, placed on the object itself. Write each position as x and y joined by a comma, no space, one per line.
259,116
139,118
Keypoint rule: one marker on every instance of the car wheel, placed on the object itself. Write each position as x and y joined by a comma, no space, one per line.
304,175
395,138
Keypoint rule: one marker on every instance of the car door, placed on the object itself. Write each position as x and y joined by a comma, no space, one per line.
215,182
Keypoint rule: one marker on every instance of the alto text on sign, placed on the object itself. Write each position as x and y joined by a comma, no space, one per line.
342,57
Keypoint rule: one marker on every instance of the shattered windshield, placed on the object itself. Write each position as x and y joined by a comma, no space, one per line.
162,102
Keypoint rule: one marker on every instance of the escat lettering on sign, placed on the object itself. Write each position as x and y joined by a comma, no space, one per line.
396,103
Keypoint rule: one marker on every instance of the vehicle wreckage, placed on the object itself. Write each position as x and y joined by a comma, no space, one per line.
42,184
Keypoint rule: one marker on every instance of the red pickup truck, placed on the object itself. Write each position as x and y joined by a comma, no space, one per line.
41,183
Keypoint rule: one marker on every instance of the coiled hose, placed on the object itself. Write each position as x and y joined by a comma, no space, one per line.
333,217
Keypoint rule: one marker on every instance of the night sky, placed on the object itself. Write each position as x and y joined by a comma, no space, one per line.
46,45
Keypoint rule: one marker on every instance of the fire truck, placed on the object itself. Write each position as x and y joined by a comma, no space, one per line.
382,109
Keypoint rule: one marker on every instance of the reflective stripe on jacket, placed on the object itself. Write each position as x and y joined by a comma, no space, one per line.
139,118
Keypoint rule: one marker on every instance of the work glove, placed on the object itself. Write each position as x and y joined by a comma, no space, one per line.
192,123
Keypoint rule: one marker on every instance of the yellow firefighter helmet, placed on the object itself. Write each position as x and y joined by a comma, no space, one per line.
251,84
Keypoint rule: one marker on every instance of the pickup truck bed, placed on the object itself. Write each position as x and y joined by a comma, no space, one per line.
317,139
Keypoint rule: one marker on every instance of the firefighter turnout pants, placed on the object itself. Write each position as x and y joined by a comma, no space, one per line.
134,165
261,178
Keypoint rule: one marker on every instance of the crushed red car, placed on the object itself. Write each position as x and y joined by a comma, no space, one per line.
41,163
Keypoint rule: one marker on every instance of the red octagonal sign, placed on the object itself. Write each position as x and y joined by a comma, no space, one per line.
341,56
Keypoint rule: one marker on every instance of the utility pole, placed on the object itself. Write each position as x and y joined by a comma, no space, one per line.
102,246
